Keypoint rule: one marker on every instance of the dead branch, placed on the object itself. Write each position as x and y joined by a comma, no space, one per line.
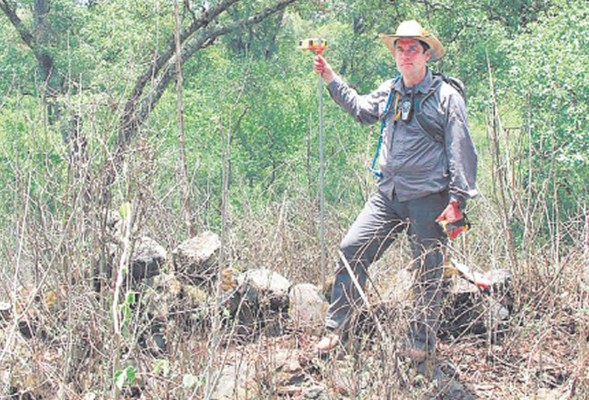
134,115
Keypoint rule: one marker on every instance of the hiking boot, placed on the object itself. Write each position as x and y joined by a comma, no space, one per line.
327,343
415,354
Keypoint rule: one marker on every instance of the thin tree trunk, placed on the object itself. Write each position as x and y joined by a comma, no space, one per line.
586,277
186,203
212,371
501,175
583,359
140,104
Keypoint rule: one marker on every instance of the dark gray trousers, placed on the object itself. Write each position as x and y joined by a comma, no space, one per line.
370,235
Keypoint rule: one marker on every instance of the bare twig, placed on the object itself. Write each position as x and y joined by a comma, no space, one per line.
495,130
186,204
362,295
136,110
121,273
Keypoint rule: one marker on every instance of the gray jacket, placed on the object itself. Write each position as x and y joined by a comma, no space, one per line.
413,164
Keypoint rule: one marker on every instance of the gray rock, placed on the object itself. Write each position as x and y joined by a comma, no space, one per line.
195,259
307,307
237,379
268,288
399,288
445,386
170,304
260,300
474,310
231,382
148,257
314,392
5,311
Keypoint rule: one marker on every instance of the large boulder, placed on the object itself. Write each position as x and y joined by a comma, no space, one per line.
307,307
148,257
258,299
170,306
269,287
392,306
195,259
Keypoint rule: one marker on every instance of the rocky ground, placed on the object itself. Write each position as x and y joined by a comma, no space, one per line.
466,369
177,345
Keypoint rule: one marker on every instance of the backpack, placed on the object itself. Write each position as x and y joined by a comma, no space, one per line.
427,125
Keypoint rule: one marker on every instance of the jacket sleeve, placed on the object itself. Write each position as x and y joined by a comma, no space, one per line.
366,109
460,151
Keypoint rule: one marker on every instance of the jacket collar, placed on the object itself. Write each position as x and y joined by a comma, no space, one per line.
422,87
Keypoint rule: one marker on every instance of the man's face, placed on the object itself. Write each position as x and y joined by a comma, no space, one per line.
410,57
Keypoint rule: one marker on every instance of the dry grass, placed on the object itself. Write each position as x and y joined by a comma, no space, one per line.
71,352
56,243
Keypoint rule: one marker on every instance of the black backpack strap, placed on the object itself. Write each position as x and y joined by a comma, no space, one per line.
427,125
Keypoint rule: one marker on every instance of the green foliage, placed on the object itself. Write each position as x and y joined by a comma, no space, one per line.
125,376
549,84
127,311
58,139
271,112
16,63
257,40
26,148
254,86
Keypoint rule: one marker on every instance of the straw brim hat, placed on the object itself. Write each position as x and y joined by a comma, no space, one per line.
413,30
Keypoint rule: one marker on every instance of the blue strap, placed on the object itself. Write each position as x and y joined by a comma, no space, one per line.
375,171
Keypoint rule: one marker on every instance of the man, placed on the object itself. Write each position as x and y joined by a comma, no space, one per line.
422,181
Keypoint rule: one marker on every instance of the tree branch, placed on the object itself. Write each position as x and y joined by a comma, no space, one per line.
135,112
24,33
44,59
164,58
200,42
188,50
131,118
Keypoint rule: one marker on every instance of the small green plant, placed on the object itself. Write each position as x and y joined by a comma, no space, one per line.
125,376
161,366
127,312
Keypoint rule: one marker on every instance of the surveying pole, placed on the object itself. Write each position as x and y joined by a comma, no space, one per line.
318,46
